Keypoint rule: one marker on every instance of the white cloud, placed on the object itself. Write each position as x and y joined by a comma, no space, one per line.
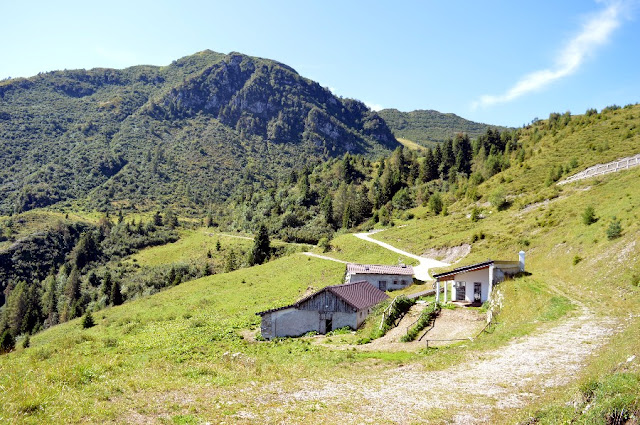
595,32
374,106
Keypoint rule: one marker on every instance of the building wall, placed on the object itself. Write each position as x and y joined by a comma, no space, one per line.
470,278
295,322
375,279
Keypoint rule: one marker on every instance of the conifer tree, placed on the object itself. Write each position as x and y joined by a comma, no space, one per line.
261,247
116,293
50,301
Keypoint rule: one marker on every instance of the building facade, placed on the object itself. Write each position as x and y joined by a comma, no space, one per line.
385,278
474,283
330,308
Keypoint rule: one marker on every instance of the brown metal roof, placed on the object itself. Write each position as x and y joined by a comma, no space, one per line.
379,269
358,295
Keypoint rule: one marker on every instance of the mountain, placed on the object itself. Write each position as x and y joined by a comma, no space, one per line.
188,134
427,127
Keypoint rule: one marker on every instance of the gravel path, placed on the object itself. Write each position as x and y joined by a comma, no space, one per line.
324,257
490,383
421,271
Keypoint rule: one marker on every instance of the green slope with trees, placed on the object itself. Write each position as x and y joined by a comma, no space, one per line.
428,127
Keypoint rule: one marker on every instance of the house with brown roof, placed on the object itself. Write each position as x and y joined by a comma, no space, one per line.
330,308
474,283
385,278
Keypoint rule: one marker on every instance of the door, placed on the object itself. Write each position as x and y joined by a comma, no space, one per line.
382,285
477,292
328,325
461,290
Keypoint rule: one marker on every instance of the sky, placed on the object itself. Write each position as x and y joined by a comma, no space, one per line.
497,62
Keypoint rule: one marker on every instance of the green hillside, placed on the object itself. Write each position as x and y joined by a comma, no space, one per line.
187,355
428,127
187,135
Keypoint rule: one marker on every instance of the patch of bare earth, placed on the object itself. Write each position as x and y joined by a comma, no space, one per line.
448,254
494,383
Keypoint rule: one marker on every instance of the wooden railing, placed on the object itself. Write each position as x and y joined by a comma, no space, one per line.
600,169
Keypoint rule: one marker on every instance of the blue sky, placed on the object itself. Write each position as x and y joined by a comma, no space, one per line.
499,62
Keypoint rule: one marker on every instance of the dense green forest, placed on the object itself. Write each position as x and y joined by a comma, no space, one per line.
428,127
353,191
185,135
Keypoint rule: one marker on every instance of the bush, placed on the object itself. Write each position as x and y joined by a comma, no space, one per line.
435,203
324,244
475,214
7,342
400,306
426,318
87,321
26,342
615,229
589,216
498,199
576,259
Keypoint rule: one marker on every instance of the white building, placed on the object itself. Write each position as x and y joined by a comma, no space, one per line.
385,278
474,283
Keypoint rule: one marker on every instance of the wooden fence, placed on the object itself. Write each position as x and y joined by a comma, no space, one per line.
600,169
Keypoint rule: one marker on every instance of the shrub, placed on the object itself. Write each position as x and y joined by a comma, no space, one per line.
400,306
435,203
498,199
324,244
87,321
426,318
26,342
589,216
576,259
615,229
475,214
7,342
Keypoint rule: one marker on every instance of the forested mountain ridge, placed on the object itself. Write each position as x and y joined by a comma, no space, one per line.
146,134
427,127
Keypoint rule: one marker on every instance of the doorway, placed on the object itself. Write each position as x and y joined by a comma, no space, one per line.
461,291
477,292
328,325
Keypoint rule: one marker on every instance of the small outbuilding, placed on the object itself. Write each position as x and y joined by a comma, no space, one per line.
474,283
330,308
385,278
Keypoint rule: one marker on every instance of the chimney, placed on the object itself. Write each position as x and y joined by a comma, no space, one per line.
521,259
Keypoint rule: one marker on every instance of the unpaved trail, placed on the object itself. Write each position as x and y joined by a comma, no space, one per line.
493,382
420,271
324,257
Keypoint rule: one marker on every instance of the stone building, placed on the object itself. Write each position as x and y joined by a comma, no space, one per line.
330,308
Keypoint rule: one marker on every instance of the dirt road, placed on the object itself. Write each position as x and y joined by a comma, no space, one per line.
468,393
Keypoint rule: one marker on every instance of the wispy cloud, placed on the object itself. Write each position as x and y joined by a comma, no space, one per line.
375,106
595,32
